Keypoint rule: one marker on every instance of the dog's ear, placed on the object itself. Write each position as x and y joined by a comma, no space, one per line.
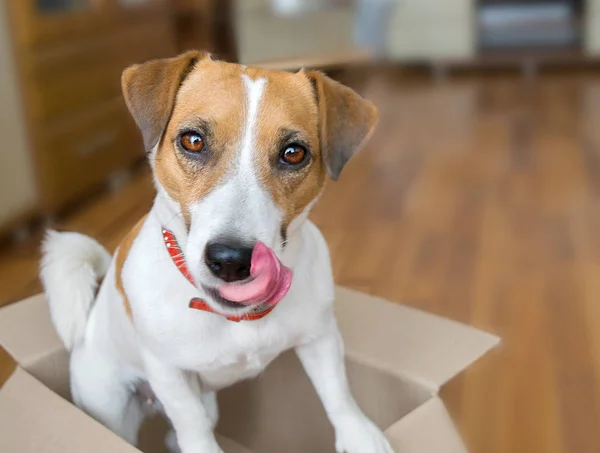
346,121
150,88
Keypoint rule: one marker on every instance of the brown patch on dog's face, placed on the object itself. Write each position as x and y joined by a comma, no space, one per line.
213,102
210,103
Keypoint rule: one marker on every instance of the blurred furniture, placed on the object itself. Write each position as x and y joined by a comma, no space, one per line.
336,30
17,183
559,30
472,31
204,24
592,27
293,34
540,24
69,55
431,30
193,24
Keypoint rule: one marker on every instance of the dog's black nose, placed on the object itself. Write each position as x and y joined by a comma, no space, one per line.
228,261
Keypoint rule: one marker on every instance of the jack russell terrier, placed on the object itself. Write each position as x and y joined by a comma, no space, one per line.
225,272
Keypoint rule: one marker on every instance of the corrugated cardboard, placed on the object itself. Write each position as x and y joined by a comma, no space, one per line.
397,359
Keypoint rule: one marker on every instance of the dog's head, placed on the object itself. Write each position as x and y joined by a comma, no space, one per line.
243,152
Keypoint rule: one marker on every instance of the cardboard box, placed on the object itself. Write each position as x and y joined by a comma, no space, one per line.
397,360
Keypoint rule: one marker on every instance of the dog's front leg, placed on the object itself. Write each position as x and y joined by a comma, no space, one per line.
323,360
180,394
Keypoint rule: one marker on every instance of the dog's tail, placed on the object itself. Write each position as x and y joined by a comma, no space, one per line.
72,266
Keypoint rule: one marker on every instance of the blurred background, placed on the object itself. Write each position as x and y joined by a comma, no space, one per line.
477,199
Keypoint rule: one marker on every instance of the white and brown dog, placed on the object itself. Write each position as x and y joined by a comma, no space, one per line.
225,272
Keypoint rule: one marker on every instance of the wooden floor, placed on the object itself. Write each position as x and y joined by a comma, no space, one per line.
479,200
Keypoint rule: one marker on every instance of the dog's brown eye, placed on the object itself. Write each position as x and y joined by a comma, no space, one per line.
192,142
293,155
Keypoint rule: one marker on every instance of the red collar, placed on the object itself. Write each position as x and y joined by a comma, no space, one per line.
196,303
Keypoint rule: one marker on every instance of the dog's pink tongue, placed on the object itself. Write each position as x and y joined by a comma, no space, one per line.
271,280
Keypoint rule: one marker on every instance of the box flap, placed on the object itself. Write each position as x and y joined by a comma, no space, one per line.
428,428
425,348
18,339
33,419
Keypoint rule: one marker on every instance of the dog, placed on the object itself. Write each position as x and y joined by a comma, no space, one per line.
225,272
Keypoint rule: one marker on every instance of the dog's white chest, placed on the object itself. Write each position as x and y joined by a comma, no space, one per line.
245,366
223,352
243,351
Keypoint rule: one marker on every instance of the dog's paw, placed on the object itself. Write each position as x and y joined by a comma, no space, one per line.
360,435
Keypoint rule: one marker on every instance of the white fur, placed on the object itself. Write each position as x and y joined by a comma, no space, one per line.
255,91
71,267
188,355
